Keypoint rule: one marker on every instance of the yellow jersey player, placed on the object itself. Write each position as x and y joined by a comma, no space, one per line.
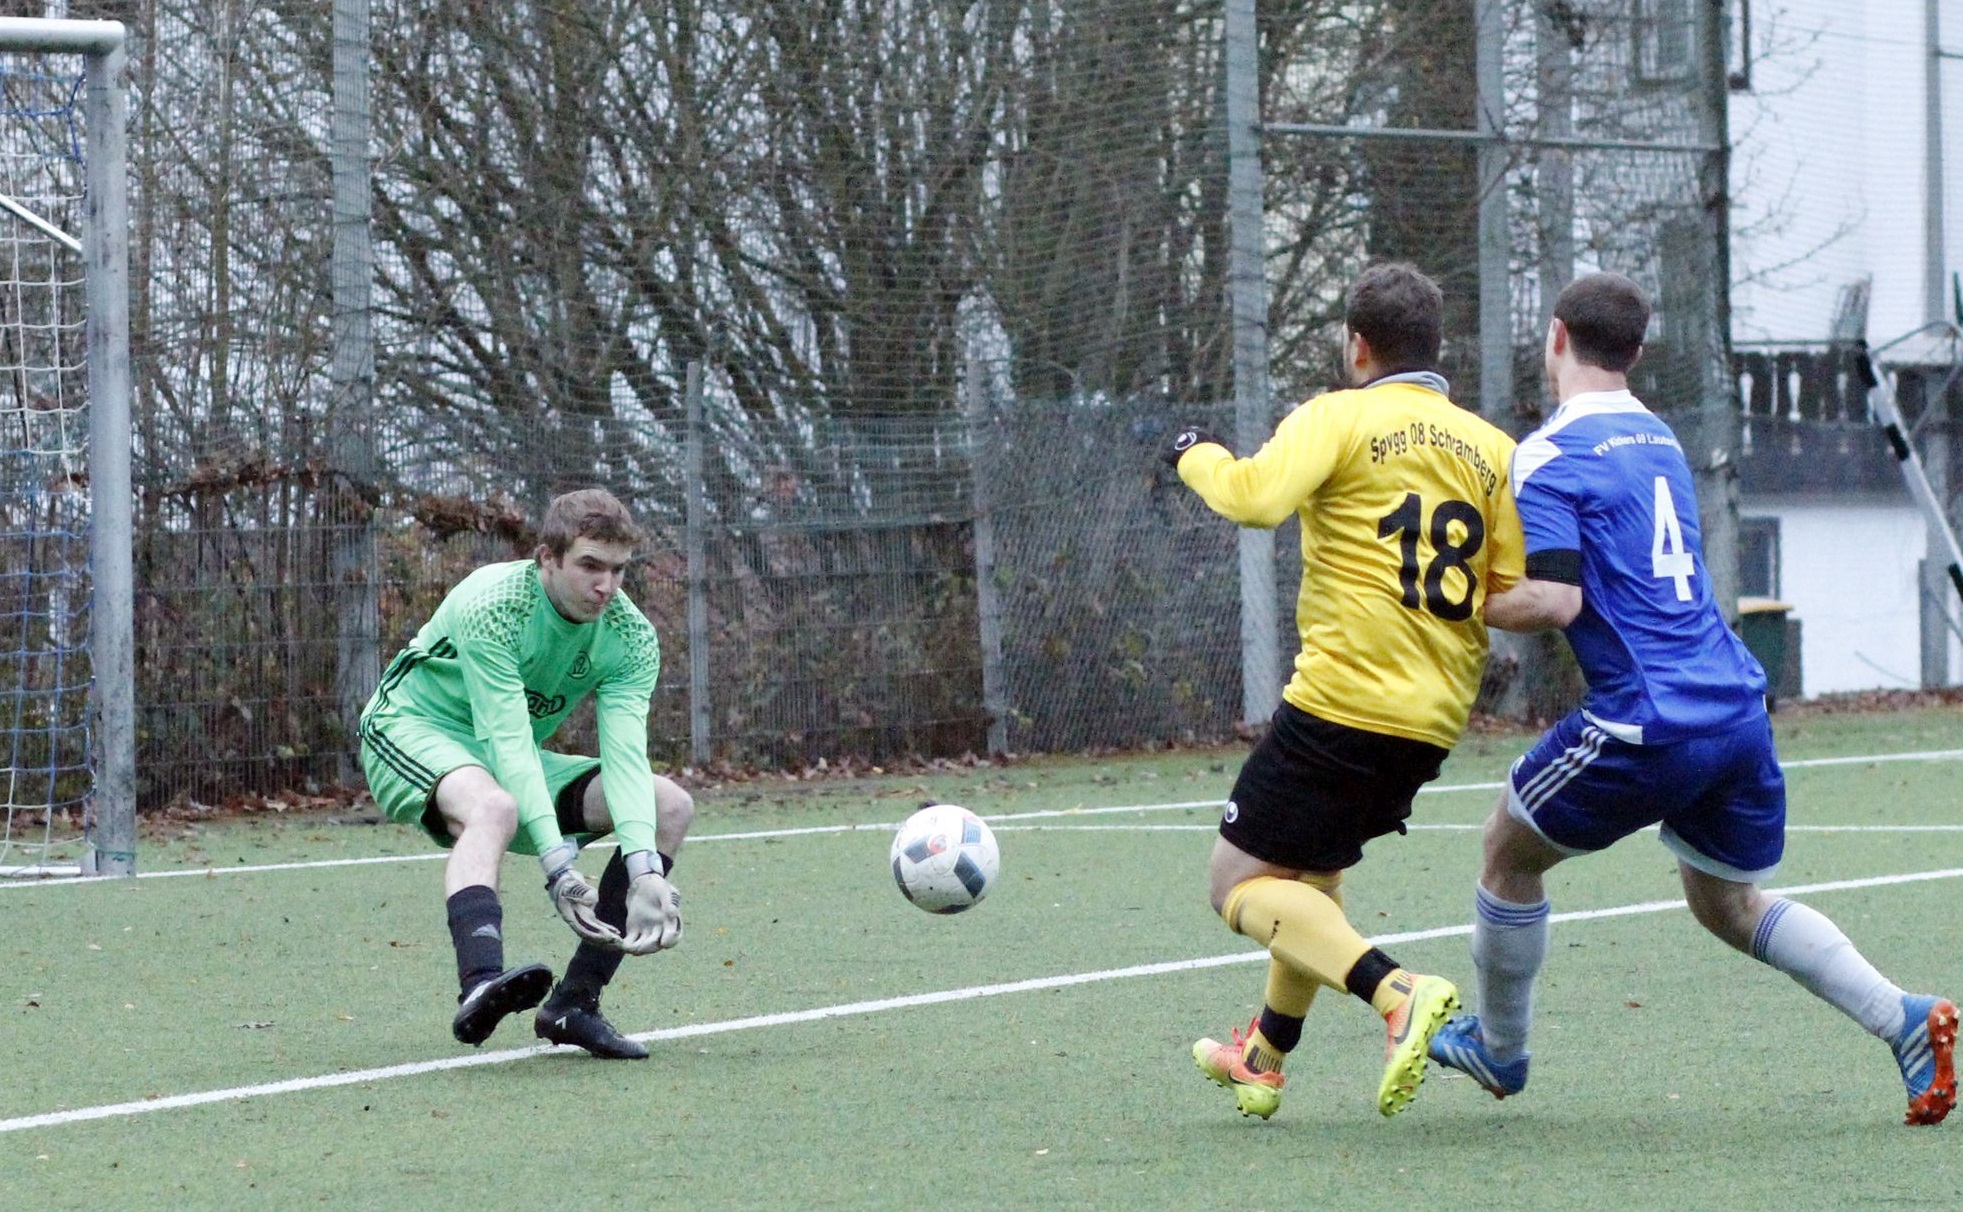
1408,522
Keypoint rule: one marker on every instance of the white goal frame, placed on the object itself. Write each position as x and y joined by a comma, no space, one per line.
111,837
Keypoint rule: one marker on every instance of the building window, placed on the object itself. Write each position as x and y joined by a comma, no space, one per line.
1664,52
1758,557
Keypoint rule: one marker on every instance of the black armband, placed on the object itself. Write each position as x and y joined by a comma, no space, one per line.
1561,566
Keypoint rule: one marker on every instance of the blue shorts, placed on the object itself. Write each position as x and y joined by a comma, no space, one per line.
1721,799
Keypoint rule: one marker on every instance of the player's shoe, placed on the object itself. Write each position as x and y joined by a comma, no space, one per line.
579,1022
1409,1030
1255,1093
481,1010
1460,1045
1926,1051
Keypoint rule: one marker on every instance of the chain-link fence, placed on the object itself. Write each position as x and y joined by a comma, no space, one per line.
951,269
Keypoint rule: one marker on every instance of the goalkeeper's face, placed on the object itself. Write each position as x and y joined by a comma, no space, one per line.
580,585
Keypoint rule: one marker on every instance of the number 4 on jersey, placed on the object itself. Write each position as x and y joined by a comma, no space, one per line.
1667,554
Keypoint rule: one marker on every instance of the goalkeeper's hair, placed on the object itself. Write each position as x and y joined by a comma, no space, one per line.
1401,313
1606,316
590,513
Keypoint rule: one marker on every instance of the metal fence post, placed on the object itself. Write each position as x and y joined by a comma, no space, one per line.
696,543
1248,291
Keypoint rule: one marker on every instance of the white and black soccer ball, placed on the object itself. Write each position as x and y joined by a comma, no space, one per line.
945,858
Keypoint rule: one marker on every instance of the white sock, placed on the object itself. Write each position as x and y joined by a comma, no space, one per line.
1509,941
1805,945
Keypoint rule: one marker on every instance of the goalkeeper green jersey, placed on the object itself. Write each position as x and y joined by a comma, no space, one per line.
498,663
1408,522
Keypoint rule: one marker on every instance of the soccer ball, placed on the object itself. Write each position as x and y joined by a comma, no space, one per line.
944,858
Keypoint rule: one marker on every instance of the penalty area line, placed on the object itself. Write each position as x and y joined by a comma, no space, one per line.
56,1119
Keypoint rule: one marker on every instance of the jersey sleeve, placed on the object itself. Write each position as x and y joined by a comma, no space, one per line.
487,638
621,708
1545,497
1268,486
1509,542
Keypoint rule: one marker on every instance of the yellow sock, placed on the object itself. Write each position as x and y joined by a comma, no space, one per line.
1391,992
1262,1056
1301,926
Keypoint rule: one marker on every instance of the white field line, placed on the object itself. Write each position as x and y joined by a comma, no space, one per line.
1210,827
1931,755
55,1119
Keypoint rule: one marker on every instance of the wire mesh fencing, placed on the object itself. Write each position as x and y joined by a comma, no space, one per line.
951,270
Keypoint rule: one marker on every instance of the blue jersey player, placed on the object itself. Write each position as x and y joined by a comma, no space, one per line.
1672,731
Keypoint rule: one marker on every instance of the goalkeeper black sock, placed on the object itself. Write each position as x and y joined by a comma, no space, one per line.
592,967
477,932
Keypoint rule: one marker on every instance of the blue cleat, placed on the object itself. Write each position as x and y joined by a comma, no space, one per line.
1459,1045
1926,1051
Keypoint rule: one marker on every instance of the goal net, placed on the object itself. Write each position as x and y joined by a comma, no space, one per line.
58,490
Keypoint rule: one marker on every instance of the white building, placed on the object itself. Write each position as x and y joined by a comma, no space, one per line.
1829,122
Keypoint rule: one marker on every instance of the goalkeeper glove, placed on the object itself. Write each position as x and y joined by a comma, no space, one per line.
573,897
1184,441
654,908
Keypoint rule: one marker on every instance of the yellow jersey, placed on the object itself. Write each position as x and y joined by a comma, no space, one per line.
1408,522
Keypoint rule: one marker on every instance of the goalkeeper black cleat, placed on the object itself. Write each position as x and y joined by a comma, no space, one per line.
584,1027
481,1010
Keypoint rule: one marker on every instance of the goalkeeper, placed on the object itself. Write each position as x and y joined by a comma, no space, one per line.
450,742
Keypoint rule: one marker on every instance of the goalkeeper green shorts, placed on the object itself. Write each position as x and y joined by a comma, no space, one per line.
405,757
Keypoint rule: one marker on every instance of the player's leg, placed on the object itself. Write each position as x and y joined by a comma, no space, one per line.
1509,943
571,1015
1299,816
1250,1064
1806,945
1731,842
421,775
482,818
1577,790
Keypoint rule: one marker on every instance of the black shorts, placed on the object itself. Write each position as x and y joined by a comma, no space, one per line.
1313,792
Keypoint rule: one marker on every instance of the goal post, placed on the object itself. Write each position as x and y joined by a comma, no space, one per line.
108,801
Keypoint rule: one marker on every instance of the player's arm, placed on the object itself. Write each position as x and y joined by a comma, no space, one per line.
1506,542
654,907
1535,605
504,723
1549,595
621,711
1268,486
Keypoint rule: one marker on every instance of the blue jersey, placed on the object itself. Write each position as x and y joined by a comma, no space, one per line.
1605,478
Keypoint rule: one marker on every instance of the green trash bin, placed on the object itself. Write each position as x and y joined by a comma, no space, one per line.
1762,625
